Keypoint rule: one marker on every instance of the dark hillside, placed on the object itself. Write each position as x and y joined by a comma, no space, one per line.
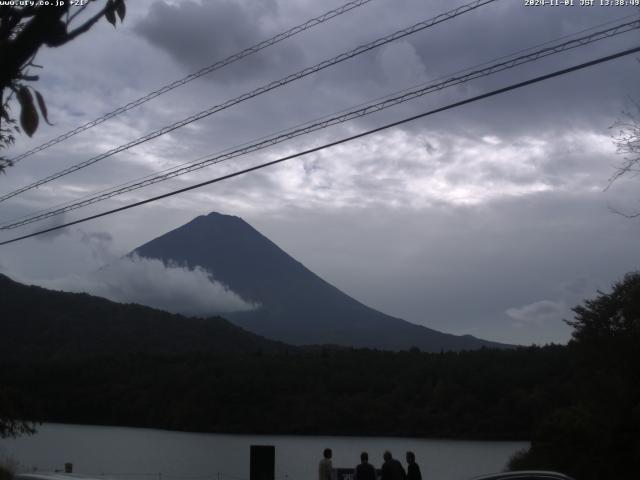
41,323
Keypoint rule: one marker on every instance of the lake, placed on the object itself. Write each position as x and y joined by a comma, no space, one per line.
146,454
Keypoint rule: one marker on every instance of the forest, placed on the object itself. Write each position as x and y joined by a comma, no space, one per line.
483,394
579,404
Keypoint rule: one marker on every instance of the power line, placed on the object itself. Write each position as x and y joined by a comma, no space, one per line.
259,91
492,93
387,96
327,122
203,71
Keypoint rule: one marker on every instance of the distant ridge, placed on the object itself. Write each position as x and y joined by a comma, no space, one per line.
297,306
37,324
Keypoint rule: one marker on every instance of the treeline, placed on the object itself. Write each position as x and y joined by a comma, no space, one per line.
579,405
597,435
41,324
496,394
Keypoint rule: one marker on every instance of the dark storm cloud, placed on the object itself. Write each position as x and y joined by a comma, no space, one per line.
488,219
579,99
568,103
198,34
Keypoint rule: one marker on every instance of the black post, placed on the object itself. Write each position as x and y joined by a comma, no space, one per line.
263,462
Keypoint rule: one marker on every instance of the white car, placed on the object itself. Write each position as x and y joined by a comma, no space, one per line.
524,475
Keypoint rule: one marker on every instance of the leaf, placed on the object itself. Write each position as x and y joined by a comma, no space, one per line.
28,113
57,34
43,107
110,13
121,9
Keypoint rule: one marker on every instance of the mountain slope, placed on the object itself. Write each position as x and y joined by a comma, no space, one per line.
297,306
40,323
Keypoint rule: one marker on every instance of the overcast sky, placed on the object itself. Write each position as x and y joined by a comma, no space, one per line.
491,219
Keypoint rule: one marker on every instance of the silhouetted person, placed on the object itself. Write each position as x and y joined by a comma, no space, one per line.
364,471
325,468
391,468
413,469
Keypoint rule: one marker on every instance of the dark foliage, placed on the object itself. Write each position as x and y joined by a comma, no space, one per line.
627,140
7,470
24,29
83,359
598,435
14,407
579,404
496,394
40,324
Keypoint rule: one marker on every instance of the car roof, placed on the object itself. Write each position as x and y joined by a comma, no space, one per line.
52,476
525,475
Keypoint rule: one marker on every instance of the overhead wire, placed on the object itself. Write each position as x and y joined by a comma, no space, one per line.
308,122
259,91
347,7
476,98
370,108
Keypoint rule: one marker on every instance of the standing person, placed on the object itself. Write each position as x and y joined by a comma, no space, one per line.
413,469
364,471
325,468
391,468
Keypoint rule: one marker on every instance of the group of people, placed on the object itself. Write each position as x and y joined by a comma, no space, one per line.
391,469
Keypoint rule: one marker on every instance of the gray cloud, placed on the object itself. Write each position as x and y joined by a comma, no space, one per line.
538,312
53,222
459,268
449,221
580,288
100,244
198,34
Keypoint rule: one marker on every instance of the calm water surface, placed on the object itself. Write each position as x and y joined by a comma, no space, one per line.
145,454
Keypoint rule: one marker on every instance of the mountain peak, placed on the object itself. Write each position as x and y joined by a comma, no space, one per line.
222,216
216,218
297,306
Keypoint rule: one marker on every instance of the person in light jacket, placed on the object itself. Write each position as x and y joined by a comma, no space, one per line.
325,468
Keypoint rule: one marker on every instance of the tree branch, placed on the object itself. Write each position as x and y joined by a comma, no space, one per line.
86,25
78,12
